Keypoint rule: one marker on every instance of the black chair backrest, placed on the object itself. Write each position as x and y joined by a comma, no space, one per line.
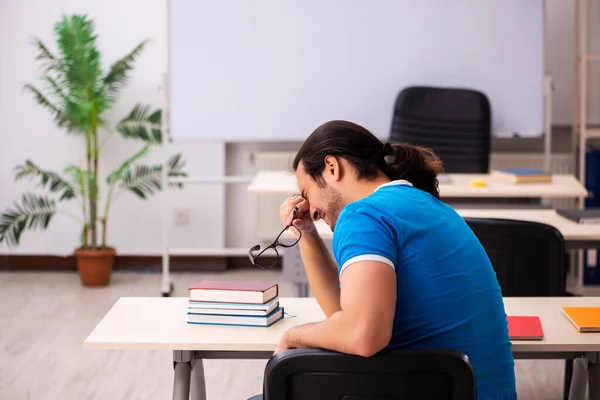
528,257
455,123
309,374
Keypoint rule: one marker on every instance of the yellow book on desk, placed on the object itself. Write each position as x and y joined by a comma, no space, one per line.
520,175
585,319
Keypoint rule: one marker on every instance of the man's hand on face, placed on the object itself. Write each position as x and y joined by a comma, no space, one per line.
303,221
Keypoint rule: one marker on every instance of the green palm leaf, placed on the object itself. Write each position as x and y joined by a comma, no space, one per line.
34,212
77,45
141,124
62,119
51,180
176,165
117,76
56,89
118,174
80,179
82,70
49,60
146,180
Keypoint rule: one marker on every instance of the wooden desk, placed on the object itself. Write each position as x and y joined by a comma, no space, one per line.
160,324
575,235
562,186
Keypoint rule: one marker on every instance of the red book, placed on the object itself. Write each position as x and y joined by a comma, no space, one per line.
525,328
234,292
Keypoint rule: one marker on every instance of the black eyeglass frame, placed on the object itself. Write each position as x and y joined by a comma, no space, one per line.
274,245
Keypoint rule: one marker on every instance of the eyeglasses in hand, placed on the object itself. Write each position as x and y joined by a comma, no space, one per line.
260,258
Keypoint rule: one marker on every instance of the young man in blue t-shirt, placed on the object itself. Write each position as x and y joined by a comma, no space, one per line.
409,272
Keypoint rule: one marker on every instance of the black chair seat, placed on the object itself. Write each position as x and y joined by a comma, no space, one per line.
309,374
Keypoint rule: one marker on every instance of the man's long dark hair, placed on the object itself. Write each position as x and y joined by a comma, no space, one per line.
367,154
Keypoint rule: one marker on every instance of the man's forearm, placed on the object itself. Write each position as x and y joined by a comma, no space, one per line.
337,333
321,272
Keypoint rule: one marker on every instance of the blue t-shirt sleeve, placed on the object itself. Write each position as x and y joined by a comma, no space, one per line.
362,234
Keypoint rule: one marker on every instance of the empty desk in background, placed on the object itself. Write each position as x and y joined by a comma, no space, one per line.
130,326
576,236
272,187
562,186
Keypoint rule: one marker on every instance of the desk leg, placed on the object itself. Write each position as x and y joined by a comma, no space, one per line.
198,381
182,365
594,378
181,381
579,380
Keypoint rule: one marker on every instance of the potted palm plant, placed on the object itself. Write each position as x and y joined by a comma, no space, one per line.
78,93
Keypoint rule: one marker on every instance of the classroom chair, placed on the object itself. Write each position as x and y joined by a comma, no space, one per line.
310,374
529,260
455,123
528,257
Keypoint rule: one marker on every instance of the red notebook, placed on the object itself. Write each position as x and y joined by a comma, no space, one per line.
525,328
234,292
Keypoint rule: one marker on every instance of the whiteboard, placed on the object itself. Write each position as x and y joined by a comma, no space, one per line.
273,70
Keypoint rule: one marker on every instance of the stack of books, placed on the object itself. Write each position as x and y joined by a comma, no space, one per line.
520,175
234,303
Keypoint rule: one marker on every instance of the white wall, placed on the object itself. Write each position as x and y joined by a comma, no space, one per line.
28,132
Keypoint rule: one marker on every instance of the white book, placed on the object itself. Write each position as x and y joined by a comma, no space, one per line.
247,320
234,292
233,308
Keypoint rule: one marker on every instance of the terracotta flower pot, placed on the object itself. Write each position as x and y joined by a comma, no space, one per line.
95,266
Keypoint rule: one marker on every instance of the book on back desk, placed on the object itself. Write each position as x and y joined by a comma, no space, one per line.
234,292
524,328
588,216
444,178
520,175
584,319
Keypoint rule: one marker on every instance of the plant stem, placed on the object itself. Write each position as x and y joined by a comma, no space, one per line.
85,235
83,183
103,221
94,178
109,196
94,196
88,184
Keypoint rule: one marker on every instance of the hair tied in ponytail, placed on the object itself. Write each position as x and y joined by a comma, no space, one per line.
389,154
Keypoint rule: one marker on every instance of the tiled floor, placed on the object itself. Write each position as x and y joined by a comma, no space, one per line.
45,317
